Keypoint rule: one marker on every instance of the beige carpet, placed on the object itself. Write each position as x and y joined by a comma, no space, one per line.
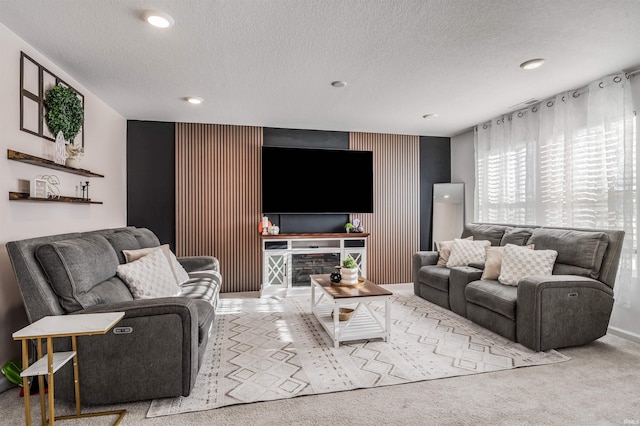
269,349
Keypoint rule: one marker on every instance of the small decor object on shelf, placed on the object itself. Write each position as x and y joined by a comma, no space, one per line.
64,112
60,155
335,277
85,187
38,188
74,155
354,226
349,271
274,230
263,226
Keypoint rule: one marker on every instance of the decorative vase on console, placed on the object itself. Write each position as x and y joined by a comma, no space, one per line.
349,271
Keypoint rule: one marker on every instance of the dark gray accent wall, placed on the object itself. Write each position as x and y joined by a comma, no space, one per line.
151,178
435,167
297,138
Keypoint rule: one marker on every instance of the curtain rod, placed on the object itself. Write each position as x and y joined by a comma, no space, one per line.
633,71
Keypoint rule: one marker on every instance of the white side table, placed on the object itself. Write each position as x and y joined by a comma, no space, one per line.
60,326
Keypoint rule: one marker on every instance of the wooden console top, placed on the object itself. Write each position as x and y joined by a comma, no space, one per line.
315,235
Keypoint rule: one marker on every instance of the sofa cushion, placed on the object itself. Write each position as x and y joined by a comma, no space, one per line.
579,252
74,267
111,290
492,233
123,240
204,285
145,237
517,236
149,277
494,296
519,262
435,276
464,252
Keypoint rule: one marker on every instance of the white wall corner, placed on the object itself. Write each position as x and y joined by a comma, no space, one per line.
5,384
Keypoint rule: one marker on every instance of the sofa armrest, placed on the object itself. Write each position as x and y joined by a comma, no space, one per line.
561,310
459,277
199,263
420,259
156,346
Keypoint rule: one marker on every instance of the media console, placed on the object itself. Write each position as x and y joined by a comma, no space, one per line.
289,259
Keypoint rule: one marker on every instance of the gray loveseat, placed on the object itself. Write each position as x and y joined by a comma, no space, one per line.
569,308
161,341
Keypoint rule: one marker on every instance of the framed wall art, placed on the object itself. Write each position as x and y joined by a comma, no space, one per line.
35,82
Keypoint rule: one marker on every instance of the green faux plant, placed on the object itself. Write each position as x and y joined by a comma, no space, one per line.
349,226
349,263
64,112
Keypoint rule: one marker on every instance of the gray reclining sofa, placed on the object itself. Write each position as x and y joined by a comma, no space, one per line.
569,308
160,355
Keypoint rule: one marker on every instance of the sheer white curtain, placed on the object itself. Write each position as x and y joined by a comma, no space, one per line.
567,161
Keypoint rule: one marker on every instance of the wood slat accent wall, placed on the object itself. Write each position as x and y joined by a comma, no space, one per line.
395,223
218,199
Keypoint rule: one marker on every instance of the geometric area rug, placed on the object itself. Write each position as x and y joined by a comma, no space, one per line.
264,349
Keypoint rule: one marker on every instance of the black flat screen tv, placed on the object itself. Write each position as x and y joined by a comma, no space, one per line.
310,180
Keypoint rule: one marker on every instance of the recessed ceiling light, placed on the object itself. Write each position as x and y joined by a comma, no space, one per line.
430,116
532,64
194,100
338,83
158,19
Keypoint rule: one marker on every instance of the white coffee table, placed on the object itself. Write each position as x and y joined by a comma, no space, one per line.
364,324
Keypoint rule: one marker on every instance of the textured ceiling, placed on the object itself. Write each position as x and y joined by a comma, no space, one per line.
270,62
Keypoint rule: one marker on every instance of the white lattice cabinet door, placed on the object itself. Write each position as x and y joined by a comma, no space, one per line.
275,274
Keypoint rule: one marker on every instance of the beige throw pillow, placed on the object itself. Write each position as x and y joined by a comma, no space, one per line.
149,277
493,263
181,276
444,248
464,252
519,262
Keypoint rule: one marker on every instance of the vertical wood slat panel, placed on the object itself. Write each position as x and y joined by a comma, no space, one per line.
395,223
218,199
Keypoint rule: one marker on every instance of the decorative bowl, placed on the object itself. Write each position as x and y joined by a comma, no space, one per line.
344,315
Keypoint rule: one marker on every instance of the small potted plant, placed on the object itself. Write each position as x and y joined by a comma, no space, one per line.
349,227
74,155
349,271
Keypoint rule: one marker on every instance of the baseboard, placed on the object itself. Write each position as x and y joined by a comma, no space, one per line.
5,384
624,334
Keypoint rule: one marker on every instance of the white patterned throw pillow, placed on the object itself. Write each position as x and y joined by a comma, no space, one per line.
519,262
493,262
181,275
444,249
464,252
149,277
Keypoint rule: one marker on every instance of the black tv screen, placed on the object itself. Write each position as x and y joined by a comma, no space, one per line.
305,180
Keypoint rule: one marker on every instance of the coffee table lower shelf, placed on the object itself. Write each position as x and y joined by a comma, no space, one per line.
364,323
361,326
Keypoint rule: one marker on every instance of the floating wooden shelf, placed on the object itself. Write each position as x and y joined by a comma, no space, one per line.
31,159
24,196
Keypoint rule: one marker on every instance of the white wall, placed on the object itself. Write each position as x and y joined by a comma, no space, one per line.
105,153
463,169
624,321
